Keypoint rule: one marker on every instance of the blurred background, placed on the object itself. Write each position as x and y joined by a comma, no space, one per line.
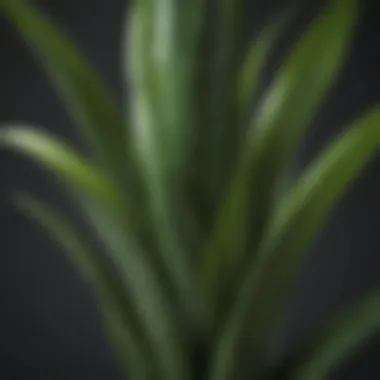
49,325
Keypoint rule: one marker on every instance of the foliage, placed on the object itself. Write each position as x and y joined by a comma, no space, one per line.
199,253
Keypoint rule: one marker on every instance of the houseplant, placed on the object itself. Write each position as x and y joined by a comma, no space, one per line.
200,242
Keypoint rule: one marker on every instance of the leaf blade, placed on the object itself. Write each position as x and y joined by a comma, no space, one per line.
270,276
105,210
142,281
174,38
60,158
162,189
275,132
126,342
331,343
87,98
255,60
224,57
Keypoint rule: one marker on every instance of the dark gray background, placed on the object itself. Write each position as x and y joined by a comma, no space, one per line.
50,328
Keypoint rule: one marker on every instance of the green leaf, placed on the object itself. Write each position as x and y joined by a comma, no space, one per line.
289,105
255,61
141,280
173,46
105,211
86,97
161,191
224,58
115,307
61,159
76,171
330,345
271,275
161,64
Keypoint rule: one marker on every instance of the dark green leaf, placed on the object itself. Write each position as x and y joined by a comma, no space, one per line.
162,193
221,93
290,103
115,307
300,216
142,282
173,44
330,345
105,211
86,97
255,61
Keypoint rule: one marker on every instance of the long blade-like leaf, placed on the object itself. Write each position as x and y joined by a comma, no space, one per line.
254,64
146,292
161,62
115,308
142,280
61,159
301,215
289,105
174,37
106,212
221,93
331,344
87,98
162,197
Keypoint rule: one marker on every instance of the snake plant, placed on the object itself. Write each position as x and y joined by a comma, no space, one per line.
198,243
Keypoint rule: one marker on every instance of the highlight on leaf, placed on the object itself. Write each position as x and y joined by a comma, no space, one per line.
255,63
62,159
87,98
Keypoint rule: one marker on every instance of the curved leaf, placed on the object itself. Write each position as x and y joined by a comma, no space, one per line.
87,98
61,159
271,275
254,63
161,196
290,103
106,213
221,85
331,344
115,306
142,281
